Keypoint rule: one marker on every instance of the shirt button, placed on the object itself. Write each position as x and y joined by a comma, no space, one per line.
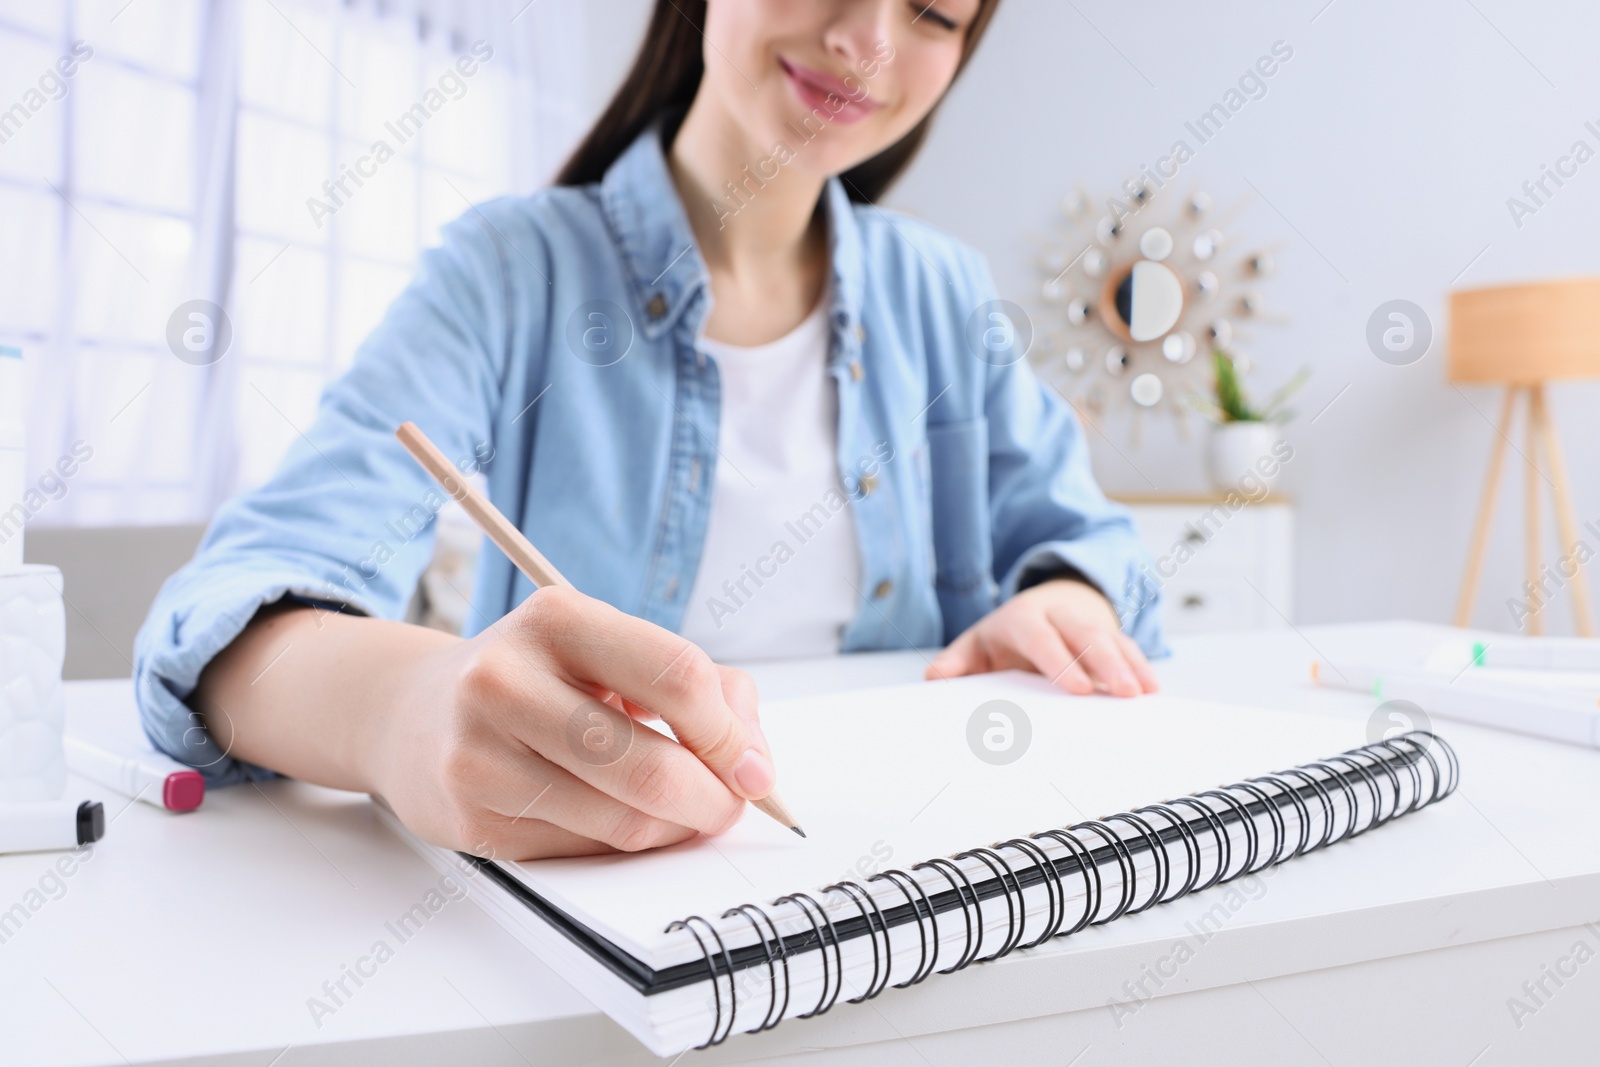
657,306
869,482
883,589
861,333
672,587
856,372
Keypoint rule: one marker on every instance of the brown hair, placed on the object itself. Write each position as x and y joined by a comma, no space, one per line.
666,74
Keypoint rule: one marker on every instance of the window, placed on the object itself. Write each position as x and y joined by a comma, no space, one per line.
78,113
157,152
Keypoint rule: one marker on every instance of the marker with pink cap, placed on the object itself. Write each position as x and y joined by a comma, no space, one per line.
147,776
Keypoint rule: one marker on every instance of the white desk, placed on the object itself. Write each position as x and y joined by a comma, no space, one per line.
199,938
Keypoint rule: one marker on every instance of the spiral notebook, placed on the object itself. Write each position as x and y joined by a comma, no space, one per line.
951,823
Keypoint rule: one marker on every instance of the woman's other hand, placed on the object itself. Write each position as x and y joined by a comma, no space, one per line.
1063,629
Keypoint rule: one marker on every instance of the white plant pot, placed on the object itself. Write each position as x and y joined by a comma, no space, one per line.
1241,450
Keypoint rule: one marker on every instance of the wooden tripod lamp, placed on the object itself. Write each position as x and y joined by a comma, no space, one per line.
1522,336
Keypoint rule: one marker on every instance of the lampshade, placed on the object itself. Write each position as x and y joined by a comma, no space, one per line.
1526,334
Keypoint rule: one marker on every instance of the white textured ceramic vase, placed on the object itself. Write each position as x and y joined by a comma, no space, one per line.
1236,451
33,643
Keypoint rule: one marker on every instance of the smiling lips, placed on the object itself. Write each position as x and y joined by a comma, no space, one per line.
819,90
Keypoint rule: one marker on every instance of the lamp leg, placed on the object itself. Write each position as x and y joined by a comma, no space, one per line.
1480,532
1531,504
1566,522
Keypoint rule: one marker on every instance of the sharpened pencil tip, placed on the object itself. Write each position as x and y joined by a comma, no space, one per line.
797,830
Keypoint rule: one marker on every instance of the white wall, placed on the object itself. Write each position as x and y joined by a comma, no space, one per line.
614,32
1389,143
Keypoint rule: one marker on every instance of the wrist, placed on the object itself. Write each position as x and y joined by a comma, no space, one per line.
1077,596
1050,570
411,684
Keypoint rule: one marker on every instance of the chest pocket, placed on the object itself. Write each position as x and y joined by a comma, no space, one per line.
958,473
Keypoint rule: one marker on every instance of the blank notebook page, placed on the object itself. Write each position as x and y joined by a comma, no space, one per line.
885,777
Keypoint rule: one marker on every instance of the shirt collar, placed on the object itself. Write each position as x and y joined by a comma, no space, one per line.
642,208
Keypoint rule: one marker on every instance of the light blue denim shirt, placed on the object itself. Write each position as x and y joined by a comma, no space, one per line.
552,342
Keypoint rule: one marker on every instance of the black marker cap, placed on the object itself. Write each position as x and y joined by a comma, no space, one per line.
91,822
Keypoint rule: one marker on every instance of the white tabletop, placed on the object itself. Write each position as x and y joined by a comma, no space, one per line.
202,937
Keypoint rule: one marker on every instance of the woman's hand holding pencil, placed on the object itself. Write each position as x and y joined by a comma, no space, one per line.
558,685
530,748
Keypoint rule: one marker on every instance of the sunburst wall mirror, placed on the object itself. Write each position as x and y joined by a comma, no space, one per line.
1139,297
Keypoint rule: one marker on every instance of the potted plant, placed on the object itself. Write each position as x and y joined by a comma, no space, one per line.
1243,434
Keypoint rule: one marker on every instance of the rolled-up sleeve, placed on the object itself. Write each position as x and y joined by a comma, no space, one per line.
347,519
1047,512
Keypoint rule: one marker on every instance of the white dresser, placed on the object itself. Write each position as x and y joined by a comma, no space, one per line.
1208,557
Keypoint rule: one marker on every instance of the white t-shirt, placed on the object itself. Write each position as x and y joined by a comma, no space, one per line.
779,573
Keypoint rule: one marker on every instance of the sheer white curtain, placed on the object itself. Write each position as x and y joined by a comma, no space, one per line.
210,150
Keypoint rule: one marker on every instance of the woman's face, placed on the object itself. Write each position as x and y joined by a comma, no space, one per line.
822,85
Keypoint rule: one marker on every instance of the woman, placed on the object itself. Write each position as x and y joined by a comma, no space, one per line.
730,398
